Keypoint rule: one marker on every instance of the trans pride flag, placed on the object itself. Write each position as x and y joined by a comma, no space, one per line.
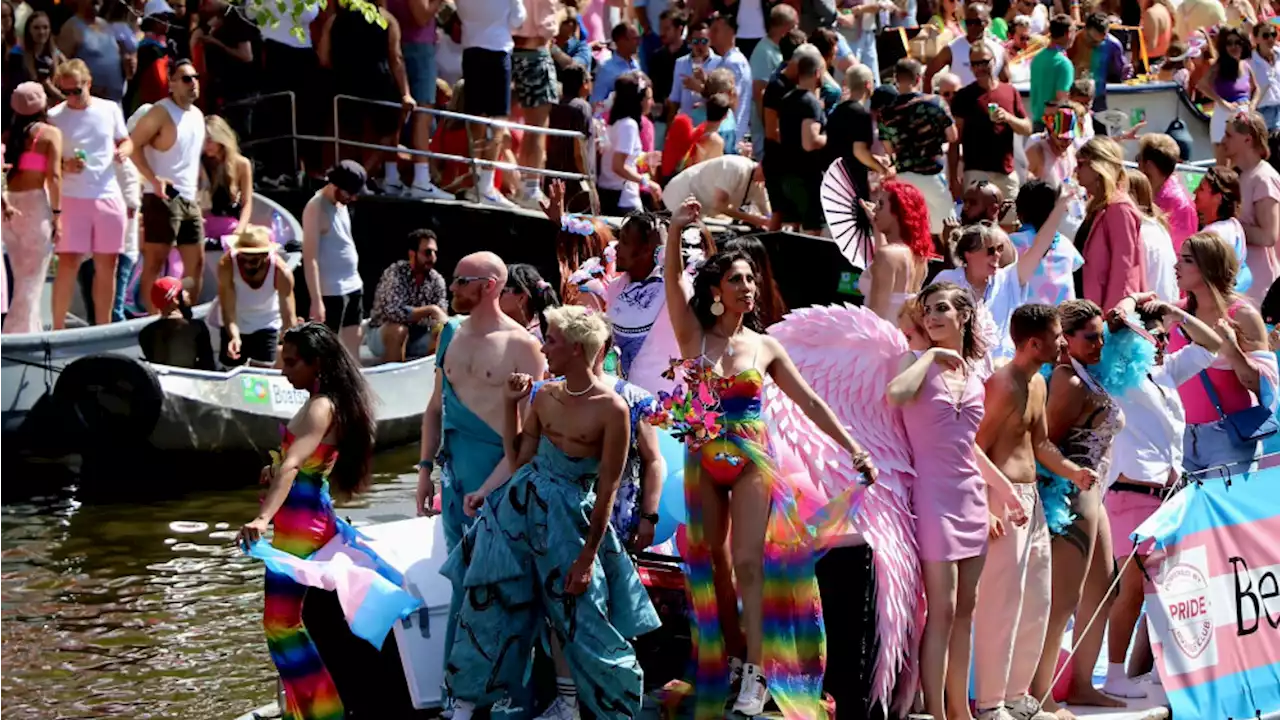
1213,600
369,590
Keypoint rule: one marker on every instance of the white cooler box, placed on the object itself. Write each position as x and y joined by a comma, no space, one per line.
416,548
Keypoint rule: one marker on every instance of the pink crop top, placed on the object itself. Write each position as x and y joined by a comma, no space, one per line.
1231,392
32,161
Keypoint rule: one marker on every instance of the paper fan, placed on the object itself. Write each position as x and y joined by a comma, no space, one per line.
849,223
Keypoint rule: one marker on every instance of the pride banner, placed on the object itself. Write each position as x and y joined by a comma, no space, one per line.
1213,600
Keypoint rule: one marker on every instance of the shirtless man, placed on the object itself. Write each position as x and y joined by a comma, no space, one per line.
1013,594
530,546
463,422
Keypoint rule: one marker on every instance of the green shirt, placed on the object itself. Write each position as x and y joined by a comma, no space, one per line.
1051,73
1000,28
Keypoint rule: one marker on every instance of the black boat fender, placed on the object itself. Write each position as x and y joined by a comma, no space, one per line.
109,400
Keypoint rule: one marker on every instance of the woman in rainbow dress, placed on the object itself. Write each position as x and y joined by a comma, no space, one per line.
777,646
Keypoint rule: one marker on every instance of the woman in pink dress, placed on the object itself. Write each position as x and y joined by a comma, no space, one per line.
940,394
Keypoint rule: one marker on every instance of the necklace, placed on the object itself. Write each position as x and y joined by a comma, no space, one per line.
957,400
579,393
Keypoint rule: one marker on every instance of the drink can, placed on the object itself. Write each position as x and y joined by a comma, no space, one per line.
81,155
991,109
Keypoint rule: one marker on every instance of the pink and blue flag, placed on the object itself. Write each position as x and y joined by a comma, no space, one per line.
369,590
1213,600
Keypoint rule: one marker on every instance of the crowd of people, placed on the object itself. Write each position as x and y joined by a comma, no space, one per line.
1143,296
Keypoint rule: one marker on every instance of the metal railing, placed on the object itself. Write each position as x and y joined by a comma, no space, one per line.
474,165
583,141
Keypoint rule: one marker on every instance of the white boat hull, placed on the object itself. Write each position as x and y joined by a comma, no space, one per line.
244,410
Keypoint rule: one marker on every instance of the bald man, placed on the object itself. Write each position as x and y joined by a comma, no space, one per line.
463,424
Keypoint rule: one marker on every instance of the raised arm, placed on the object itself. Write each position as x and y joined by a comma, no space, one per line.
1031,259
683,321
912,372
788,378
1242,335
309,428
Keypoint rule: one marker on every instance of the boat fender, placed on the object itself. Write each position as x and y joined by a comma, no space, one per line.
109,398
1181,135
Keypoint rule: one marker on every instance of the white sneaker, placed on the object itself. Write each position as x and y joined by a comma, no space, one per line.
496,199
1028,708
532,202
998,713
560,709
754,694
394,189
427,192
463,710
1123,687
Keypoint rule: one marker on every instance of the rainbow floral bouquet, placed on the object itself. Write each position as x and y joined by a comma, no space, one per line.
692,416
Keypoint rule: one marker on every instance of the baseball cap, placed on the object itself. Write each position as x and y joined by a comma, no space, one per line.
28,99
166,290
348,176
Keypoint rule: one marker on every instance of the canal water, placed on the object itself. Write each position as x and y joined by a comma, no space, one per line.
142,609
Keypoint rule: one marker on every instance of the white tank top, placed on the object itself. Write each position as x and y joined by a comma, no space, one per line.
256,308
180,164
960,48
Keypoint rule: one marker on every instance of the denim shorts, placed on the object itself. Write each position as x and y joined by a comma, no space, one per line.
420,65
1271,115
488,76
1209,445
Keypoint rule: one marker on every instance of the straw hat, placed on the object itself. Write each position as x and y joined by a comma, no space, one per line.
253,240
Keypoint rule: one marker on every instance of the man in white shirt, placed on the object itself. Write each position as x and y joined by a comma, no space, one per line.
93,214
1265,64
487,42
1146,457
167,146
977,19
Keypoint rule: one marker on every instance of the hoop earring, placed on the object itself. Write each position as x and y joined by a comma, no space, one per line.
717,307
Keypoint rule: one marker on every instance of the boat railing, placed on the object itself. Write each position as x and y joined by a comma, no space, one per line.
474,165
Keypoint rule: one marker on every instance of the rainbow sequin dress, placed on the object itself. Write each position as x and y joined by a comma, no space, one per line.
303,525
721,424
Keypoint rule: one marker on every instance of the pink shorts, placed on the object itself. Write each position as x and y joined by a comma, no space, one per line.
96,226
1126,511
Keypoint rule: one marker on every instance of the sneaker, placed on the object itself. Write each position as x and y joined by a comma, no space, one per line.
532,202
427,192
997,713
463,710
754,694
1123,687
394,189
560,709
735,681
496,199
1028,708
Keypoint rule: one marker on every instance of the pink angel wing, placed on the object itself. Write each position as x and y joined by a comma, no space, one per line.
849,355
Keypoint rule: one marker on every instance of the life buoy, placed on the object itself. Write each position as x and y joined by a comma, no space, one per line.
109,399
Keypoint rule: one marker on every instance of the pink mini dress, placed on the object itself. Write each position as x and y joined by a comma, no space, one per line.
949,497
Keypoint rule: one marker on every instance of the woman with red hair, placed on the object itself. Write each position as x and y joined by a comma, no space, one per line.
901,252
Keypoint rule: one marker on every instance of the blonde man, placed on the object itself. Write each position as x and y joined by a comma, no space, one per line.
569,457
94,217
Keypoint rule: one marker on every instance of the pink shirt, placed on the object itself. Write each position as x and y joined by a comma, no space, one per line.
1114,260
542,19
1260,183
1232,393
1176,203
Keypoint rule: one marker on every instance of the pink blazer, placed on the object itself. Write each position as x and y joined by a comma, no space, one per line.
1114,262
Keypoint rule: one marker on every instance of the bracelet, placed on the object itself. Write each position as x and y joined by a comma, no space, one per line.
860,459
425,464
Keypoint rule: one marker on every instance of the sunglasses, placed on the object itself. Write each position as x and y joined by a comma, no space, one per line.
1234,44
71,92
190,79
1267,36
468,279
700,41
980,63
995,250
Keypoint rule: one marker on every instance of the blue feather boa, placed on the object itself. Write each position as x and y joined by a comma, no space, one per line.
1127,357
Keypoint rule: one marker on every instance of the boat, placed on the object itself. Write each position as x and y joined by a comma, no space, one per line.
30,363
244,409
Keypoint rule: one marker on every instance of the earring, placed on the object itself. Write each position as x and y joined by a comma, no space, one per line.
717,307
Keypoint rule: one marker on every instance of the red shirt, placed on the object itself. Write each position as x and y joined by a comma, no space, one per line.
988,146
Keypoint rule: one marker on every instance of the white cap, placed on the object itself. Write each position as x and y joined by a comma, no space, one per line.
156,7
